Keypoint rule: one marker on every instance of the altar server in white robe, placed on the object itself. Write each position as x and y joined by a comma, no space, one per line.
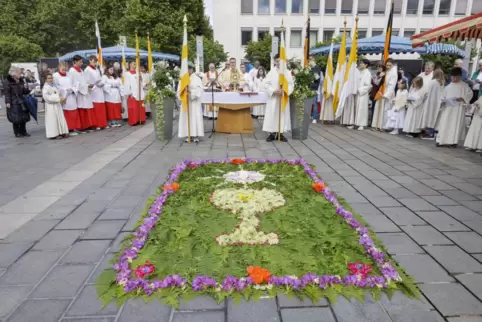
211,76
427,75
259,86
55,124
413,119
396,116
451,122
69,100
473,140
253,73
83,91
364,88
136,111
94,79
383,105
146,82
431,105
196,127
113,93
271,116
247,80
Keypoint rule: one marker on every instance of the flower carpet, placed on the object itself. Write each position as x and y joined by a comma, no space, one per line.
248,228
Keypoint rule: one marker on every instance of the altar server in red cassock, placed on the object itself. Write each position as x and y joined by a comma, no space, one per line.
93,77
69,99
83,89
135,102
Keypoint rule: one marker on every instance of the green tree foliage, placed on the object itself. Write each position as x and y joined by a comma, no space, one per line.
260,50
213,52
322,61
16,49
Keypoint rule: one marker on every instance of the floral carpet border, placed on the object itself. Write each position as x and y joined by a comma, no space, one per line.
358,278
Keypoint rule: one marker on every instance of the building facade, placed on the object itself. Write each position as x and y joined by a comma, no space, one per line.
236,22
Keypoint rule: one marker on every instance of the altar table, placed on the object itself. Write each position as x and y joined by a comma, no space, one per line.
234,110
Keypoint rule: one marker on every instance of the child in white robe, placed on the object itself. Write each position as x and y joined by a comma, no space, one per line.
431,106
396,116
55,124
413,119
473,140
259,86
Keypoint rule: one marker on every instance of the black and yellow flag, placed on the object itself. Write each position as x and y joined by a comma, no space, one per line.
386,50
307,43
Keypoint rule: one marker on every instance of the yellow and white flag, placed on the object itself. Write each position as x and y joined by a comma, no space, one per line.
328,83
283,73
99,47
149,54
340,71
350,82
184,78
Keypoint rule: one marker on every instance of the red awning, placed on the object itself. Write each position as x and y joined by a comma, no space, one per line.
466,28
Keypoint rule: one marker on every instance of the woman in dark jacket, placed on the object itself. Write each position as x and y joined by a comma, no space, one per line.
17,112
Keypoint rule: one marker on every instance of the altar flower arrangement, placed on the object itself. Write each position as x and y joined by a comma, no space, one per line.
303,79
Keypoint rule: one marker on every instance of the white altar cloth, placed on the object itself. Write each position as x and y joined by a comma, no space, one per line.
228,98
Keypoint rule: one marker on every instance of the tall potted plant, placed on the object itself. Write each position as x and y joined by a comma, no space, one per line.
301,101
162,96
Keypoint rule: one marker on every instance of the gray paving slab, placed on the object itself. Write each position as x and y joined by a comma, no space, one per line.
104,229
31,231
102,266
11,297
139,310
201,303
417,204
86,252
441,221
466,319
87,304
9,253
78,220
423,268
454,259
264,310
473,282
402,216
40,310
427,235
468,241
216,316
348,311
460,212
58,239
285,301
99,319
452,299
440,201
319,314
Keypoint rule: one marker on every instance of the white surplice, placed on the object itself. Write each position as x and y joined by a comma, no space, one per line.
327,113
260,87
451,122
55,123
431,105
427,78
364,88
93,77
131,86
209,111
384,105
196,127
80,88
271,114
413,119
113,89
348,114
396,116
473,140
146,82
66,91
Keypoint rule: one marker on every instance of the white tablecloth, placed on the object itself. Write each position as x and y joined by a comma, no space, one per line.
234,98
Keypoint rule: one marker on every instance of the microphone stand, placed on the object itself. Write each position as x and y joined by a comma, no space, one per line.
213,130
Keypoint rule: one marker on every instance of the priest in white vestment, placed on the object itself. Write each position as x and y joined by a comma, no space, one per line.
232,78
413,119
246,78
195,90
253,73
68,99
451,122
431,105
94,79
473,140
82,90
271,122
364,88
383,105
211,76
55,124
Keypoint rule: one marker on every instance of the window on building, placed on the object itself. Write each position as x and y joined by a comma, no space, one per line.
328,35
295,38
377,32
263,7
346,6
313,37
476,7
397,7
246,36
280,6
379,7
348,33
363,7
262,32
277,33
444,8
460,7
412,7
314,6
296,6
362,33
395,32
247,7
330,6
428,6
408,32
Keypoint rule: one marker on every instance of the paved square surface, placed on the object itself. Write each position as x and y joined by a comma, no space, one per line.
66,205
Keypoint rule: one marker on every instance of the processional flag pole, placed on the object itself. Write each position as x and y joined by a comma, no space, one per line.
283,80
184,80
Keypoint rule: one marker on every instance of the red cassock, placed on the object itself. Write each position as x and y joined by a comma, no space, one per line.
136,111
114,111
100,112
73,119
87,118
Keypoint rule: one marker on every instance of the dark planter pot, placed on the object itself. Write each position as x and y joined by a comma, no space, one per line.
169,105
300,131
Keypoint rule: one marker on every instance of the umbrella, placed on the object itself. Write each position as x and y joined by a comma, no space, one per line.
115,53
375,45
31,103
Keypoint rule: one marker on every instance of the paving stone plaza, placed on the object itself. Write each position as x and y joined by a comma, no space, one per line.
65,205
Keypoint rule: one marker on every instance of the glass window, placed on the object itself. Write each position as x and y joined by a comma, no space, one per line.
277,33
461,7
362,33
428,6
314,6
263,7
395,32
379,7
330,6
444,8
262,32
296,6
328,34
377,32
346,6
476,6
408,32
280,6
246,7
412,7
363,7
313,37
295,40
397,8
246,36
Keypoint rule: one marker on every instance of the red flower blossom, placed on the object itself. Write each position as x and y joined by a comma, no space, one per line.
318,187
144,270
237,161
174,186
359,269
193,166
258,274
